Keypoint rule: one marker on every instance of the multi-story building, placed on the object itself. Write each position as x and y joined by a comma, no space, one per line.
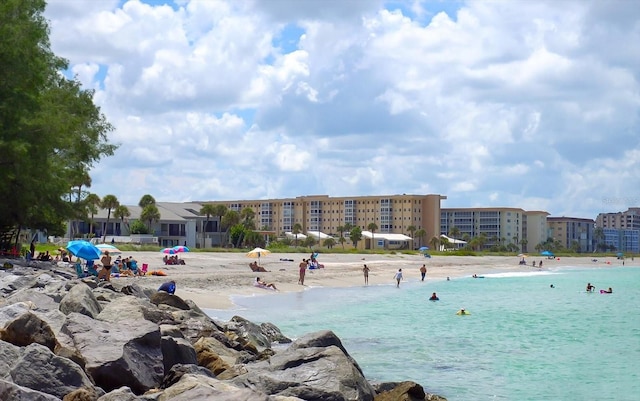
322,214
500,225
629,220
572,232
626,241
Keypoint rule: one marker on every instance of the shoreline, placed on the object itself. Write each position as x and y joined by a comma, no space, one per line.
212,280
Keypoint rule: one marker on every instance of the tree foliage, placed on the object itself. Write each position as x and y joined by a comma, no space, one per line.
355,235
51,132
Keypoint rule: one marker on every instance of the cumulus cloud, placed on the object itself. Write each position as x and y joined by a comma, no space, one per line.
519,104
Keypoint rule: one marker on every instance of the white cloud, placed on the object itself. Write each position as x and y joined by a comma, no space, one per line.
522,104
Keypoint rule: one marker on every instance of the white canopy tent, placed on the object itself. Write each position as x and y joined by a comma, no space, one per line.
457,242
318,235
291,235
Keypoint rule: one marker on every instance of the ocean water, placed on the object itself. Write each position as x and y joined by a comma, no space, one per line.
522,341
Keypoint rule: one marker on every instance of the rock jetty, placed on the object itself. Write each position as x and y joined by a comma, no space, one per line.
74,339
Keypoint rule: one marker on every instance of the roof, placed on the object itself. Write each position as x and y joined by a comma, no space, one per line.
318,234
386,236
293,236
453,240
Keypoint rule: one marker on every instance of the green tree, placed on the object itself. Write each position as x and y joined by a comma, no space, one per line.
220,211
150,214
412,229
297,229
92,203
341,238
329,242
122,212
51,132
236,234
355,235
309,242
435,243
253,239
207,210
247,216
454,232
372,227
109,202
146,200
420,234
230,219
138,227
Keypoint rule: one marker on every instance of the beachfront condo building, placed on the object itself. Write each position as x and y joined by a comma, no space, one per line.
621,240
572,232
619,231
497,226
397,217
628,220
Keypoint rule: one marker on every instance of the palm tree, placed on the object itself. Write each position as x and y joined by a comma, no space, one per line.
219,210
523,244
420,234
92,202
372,227
230,219
329,243
435,243
109,202
150,214
247,215
121,212
206,210
341,238
412,229
146,200
297,229
454,232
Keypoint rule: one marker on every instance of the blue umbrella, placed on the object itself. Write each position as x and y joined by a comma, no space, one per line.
546,253
169,251
84,249
423,248
180,248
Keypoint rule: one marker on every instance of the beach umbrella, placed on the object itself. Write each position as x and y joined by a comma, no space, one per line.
169,251
423,248
546,253
522,255
257,253
84,249
180,248
107,247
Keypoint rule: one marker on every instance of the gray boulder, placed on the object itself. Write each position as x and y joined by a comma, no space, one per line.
80,299
318,367
120,394
131,308
124,354
177,351
39,369
9,354
12,391
202,388
164,298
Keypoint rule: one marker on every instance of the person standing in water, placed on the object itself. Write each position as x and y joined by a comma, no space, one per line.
398,278
365,270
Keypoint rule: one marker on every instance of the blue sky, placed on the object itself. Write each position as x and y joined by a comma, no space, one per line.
517,104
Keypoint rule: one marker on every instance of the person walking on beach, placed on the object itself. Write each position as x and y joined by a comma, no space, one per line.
398,277
423,272
302,270
365,270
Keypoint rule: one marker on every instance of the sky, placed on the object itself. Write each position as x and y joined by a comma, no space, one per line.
526,104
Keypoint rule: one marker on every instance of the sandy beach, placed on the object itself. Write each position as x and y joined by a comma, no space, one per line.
211,279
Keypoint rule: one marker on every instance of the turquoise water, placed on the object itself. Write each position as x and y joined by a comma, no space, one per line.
522,341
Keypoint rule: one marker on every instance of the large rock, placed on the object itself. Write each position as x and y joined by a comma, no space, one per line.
404,391
39,369
40,300
9,354
131,308
309,370
202,388
12,391
124,354
177,351
26,329
80,299
164,298
120,394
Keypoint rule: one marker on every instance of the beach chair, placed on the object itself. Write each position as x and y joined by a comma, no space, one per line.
79,271
144,269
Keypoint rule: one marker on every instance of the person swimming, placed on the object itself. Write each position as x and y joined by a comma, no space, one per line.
590,287
434,297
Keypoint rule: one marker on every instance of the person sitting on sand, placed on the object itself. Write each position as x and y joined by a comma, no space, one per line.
434,297
255,268
262,284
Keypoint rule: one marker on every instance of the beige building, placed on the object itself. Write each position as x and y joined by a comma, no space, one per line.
500,225
572,232
322,214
